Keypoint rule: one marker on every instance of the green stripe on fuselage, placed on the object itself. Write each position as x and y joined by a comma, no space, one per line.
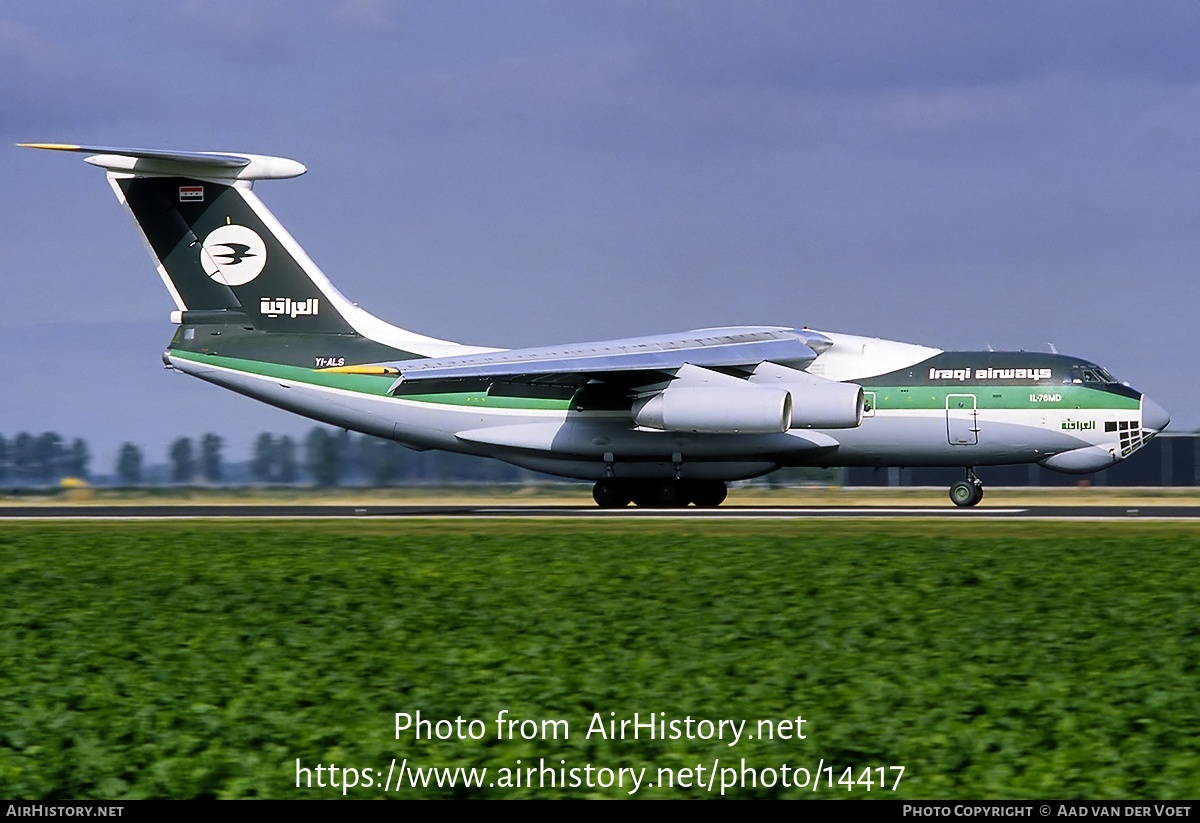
370,384
1009,381
1045,397
886,398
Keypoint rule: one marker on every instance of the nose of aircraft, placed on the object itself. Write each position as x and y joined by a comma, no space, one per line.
1154,416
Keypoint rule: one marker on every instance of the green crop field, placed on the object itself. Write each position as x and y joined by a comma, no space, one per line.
234,659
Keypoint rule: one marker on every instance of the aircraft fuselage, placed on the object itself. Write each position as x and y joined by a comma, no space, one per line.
963,409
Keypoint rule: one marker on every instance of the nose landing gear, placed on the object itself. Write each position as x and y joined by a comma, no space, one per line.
967,492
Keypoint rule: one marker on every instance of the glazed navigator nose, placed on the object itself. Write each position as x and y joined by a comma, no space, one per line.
1154,416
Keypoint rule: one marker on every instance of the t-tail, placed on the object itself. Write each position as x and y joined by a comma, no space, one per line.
224,257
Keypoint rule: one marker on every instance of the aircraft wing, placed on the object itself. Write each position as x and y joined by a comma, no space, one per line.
746,346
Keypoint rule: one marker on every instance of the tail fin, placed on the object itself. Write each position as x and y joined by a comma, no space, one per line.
218,248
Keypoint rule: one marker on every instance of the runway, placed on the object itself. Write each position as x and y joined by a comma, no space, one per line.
210,512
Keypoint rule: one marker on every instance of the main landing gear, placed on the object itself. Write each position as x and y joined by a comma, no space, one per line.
967,492
614,493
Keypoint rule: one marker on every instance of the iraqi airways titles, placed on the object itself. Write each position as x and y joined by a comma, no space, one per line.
990,374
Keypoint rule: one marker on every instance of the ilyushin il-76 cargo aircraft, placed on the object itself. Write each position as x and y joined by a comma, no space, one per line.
665,420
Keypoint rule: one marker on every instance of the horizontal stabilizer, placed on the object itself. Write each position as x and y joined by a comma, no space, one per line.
213,165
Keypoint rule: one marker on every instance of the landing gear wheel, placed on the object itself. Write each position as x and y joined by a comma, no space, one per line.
963,493
967,492
611,494
707,494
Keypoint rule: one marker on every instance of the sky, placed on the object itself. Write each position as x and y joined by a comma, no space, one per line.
960,175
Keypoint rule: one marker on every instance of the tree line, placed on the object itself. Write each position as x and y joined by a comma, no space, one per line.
35,459
324,457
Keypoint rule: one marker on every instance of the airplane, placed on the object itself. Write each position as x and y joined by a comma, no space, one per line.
660,421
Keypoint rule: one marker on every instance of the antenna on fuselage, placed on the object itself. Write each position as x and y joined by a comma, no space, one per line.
1052,349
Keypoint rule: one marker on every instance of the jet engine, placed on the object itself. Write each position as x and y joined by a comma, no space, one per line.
716,410
820,403
827,405
774,399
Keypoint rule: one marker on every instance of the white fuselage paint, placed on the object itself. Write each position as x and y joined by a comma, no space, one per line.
578,444
855,358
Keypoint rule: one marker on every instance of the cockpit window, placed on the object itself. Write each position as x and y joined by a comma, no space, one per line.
1090,374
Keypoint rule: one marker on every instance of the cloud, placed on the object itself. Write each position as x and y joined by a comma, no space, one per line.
44,85
230,22
1000,105
371,15
880,44
234,22
773,73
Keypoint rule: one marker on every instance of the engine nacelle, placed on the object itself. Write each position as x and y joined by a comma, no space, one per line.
828,406
820,403
717,410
